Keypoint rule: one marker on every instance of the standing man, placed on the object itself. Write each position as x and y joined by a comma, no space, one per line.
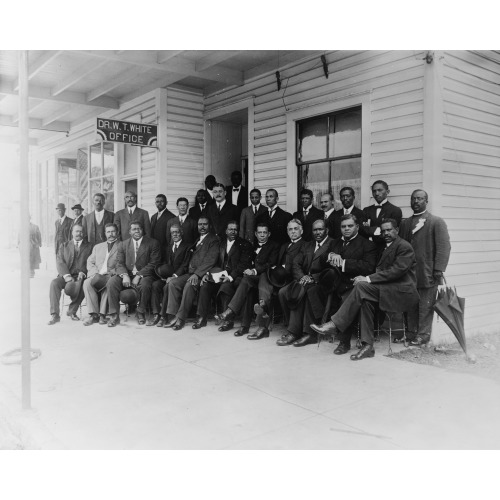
308,213
347,199
249,216
78,211
209,185
159,223
63,227
428,235
94,223
237,193
186,222
131,213
137,258
328,207
275,218
200,205
71,262
222,211
101,265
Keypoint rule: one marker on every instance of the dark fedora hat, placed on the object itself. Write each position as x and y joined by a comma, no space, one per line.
98,281
77,206
278,276
129,296
62,206
294,294
164,271
72,288
329,280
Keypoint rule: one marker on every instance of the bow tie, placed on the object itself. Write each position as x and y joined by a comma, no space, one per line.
236,189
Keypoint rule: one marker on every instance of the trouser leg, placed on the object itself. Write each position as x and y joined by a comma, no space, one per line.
114,286
284,305
156,295
144,288
75,303
164,301
91,296
421,315
207,291
247,310
188,296
56,287
242,292
175,288
226,293
265,290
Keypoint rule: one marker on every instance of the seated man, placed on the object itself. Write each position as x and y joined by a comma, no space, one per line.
71,262
174,265
306,269
265,255
137,258
101,266
234,257
393,286
182,290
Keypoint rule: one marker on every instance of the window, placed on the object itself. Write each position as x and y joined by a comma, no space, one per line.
101,173
329,153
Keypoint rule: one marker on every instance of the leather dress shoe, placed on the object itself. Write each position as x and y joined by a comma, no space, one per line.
327,328
305,340
154,321
74,317
102,319
287,339
260,333
140,318
93,318
179,325
242,330
161,323
226,325
421,339
171,323
342,348
200,323
54,319
367,351
227,315
113,320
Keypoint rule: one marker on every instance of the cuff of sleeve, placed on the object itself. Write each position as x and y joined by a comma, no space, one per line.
377,232
66,275
343,266
368,279
254,271
230,279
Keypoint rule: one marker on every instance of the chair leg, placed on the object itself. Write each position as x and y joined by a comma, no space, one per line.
389,316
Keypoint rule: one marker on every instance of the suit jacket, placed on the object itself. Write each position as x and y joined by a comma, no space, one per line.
287,254
159,229
220,219
67,262
89,224
333,222
63,233
78,220
431,244
266,258
360,257
313,215
307,261
97,257
247,222
123,220
180,260
148,257
203,256
237,260
189,229
388,211
395,275
277,224
242,201
196,212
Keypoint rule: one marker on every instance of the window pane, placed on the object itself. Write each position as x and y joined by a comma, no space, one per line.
95,160
312,140
95,187
316,178
108,189
346,173
344,137
109,158
131,161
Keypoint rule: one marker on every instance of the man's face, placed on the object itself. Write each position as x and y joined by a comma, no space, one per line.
130,199
326,203
60,212
418,201
306,200
379,193
232,232
219,194
160,203
271,199
182,206
348,228
388,232
294,231
347,198
77,212
203,226
176,234
319,230
98,203
136,231
77,233
111,234
262,234
254,198
236,179
201,197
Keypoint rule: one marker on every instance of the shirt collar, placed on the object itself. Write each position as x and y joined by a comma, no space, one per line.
203,237
322,241
222,203
77,242
381,203
327,214
62,218
351,238
420,213
131,208
348,210
138,241
161,213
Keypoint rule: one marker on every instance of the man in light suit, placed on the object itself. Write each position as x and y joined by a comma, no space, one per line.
249,216
222,211
132,213
159,222
101,265
95,222
275,218
237,194
428,235
347,197
185,221
308,213
393,286
63,227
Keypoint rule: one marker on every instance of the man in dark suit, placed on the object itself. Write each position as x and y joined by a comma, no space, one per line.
71,262
159,223
186,222
308,213
249,216
374,214
95,222
78,211
275,218
327,205
200,205
392,286
428,235
234,257
132,213
137,258
63,227
221,212
210,182
173,265
347,197
237,194
265,255
306,268
182,290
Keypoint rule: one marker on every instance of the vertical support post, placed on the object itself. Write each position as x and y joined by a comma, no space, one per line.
24,230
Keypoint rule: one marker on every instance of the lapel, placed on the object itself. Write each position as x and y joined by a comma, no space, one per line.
142,248
154,219
387,253
72,254
130,251
321,251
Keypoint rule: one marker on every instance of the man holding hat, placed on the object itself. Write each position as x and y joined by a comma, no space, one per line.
71,262
101,266
78,211
63,227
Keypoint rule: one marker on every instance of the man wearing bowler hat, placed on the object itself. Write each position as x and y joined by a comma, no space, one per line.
101,266
63,227
78,211
71,262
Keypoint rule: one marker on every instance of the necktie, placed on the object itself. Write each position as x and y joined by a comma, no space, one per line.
110,246
60,221
255,210
220,208
77,249
236,189
318,246
271,213
130,212
305,213
136,247
326,216
175,247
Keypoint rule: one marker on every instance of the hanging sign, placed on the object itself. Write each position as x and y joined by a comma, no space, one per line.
139,134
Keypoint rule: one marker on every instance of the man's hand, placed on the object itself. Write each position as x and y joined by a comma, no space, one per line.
136,280
305,280
126,281
438,277
67,279
248,272
168,280
225,279
81,276
334,259
193,280
359,279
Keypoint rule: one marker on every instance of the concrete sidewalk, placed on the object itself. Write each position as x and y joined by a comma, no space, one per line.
134,387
